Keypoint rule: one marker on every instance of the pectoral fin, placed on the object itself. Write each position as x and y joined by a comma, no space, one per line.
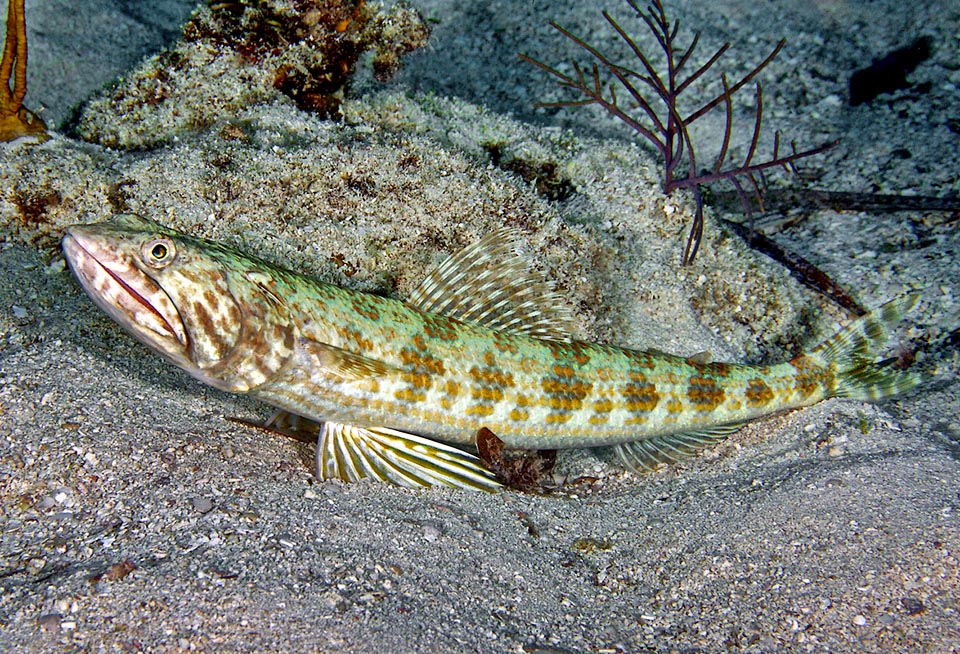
320,356
645,455
353,453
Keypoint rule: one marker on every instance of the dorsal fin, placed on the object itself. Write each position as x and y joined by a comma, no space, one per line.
491,283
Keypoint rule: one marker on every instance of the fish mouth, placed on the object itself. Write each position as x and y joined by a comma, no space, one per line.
125,292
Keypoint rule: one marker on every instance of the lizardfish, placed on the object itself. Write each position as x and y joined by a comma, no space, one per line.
401,388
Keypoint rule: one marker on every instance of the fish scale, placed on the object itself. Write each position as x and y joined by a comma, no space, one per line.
482,344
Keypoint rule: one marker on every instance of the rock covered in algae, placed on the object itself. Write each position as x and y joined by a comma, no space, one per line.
235,54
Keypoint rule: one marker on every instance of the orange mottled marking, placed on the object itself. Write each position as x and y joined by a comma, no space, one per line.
715,369
705,393
355,338
419,380
519,415
410,395
641,360
758,393
487,394
575,387
557,350
564,403
479,410
639,395
422,362
438,328
452,389
603,406
810,376
492,377
673,405
504,342
578,351
563,371
366,306
605,374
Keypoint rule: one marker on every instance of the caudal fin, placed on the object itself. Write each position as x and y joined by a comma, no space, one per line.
852,352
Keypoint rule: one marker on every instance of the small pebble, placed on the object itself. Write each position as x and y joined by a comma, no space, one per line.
912,606
56,266
859,620
49,621
202,504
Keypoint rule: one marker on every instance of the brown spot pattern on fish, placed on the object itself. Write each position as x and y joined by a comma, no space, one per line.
505,342
641,360
810,377
704,393
438,327
354,340
420,361
639,395
367,306
601,411
489,383
564,393
758,393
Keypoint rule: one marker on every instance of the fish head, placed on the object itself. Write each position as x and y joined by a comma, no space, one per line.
171,291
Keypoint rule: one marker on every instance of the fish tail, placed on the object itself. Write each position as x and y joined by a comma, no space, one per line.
852,354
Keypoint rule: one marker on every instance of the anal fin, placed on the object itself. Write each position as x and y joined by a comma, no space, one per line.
351,453
647,454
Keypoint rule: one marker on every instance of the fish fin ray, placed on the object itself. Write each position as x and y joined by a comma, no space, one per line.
646,454
352,453
491,283
851,352
340,362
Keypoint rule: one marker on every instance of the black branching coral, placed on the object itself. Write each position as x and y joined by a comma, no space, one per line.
661,120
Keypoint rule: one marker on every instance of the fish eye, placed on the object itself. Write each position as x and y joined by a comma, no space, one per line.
159,252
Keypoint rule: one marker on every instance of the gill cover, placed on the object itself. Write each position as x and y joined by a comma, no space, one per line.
164,288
